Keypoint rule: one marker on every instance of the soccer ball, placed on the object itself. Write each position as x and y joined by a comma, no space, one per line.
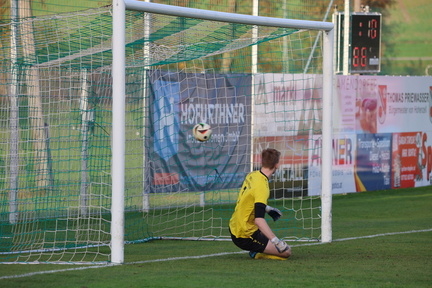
202,132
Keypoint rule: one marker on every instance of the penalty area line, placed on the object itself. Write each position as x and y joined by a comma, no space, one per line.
55,271
202,256
384,234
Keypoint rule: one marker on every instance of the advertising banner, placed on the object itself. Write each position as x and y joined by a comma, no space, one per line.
344,154
380,110
290,179
344,159
373,162
287,112
424,159
288,104
406,162
383,104
382,131
412,159
176,160
404,104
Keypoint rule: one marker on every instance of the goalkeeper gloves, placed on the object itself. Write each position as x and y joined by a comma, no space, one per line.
281,246
273,212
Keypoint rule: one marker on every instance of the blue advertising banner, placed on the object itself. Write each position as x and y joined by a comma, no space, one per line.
373,162
176,161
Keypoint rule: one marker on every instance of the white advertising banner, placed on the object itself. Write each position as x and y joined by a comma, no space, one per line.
287,112
343,178
292,102
383,104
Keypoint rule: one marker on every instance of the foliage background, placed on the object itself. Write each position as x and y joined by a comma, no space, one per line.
406,33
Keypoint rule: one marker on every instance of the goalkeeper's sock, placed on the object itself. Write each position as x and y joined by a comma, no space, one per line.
268,256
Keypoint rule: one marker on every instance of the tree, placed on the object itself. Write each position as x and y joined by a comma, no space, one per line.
4,42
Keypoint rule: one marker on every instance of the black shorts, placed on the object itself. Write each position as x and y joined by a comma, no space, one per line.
256,243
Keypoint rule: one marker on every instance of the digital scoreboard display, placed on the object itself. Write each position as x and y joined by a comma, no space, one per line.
365,49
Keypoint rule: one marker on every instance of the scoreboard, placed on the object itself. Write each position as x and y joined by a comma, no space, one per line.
365,43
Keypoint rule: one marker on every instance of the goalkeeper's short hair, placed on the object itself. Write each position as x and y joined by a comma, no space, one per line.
270,157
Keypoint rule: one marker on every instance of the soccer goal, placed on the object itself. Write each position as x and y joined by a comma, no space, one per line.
230,71
97,147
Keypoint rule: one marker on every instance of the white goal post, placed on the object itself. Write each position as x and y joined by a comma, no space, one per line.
119,90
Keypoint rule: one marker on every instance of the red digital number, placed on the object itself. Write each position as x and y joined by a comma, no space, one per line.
359,56
373,29
363,57
356,57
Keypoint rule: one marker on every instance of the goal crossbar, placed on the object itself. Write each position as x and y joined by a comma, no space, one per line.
225,16
118,113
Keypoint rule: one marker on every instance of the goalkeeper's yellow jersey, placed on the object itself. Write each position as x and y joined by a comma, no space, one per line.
255,189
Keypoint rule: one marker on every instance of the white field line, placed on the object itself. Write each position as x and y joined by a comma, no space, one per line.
201,256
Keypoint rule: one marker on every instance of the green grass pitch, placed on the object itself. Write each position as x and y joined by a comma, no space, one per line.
380,239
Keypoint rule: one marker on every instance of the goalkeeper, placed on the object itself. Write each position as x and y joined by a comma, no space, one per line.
249,230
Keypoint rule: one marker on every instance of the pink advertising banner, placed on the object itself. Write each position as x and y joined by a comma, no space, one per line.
383,104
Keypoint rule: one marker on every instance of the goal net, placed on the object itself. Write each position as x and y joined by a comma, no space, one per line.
257,86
